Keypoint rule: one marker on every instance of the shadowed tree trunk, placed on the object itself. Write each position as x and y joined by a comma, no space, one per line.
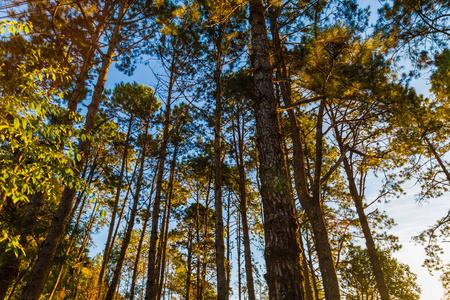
219,244
282,249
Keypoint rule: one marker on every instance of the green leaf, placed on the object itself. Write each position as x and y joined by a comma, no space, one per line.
79,157
16,123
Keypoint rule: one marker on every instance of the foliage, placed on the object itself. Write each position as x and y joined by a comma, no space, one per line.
359,283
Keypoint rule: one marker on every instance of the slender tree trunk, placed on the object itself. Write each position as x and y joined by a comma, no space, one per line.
136,261
438,158
112,222
219,244
312,204
133,212
357,200
189,266
308,290
313,275
141,240
228,246
238,242
41,270
151,289
282,251
165,232
370,244
243,209
197,225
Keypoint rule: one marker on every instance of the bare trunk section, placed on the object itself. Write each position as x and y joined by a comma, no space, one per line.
126,239
167,221
41,270
189,266
139,249
151,289
115,208
308,289
282,251
312,205
239,148
370,244
222,290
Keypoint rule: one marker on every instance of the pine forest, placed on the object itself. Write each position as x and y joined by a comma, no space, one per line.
224,149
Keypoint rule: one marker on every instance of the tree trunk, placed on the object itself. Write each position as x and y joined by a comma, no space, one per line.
312,204
41,270
126,239
238,250
9,272
370,244
219,244
141,240
308,290
151,289
189,266
243,209
282,250
165,231
115,207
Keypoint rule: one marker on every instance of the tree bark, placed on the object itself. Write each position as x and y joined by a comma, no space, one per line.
189,266
126,239
165,231
141,240
243,209
115,208
151,289
282,250
219,244
312,205
370,244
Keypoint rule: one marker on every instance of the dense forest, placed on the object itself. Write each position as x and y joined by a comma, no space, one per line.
239,167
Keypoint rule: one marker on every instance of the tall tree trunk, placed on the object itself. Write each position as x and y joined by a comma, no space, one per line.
165,232
228,246
308,290
219,244
151,288
197,226
112,222
126,239
41,270
238,242
370,244
141,240
357,200
312,205
243,208
282,250
189,266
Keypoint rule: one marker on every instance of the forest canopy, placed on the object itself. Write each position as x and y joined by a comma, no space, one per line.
243,164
